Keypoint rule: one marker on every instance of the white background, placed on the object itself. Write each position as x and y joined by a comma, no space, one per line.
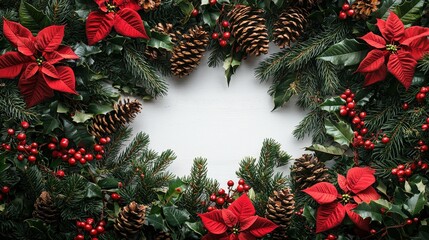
202,117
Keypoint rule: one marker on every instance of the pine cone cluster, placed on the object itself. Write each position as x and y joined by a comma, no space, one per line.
280,209
364,8
130,220
308,4
163,236
124,112
189,51
45,209
307,171
290,26
166,28
149,5
249,29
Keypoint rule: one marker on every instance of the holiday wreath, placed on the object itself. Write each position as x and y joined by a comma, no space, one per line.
359,67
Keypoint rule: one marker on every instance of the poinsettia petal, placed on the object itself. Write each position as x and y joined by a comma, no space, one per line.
372,62
50,38
360,178
229,218
394,30
66,82
418,48
367,195
11,64
30,70
259,226
233,237
374,40
15,32
66,52
329,216
381,24
98,26
356,219
52,57
402,66
242,207
26,47
213,222
342,182
413,33
376,76
49,70
34,90
129,23
322,193
246,236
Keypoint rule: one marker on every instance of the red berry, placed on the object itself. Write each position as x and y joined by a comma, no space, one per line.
21,136
93,232
351,105
345,7
241,182
220,201
424,148
342,15
10,131
240,188
349,99
25,125
82,151
401,173
213,197
98,148
352,113
194,12
401,166
90,221
221,191
246,187
215,36
413,166
100,229
34,145
20,157
51,146
373,231
102,223
343,96
210,208
394,171
420,96
405,106
350,12
385,140
31,158
415,219
331,237
72,161
108,139
89,157
98,156
225,23
420,162
364,131
424,89
226,35
343,112
425,127
34,151
356,120
213,2
362,115
78,156
427,120
80,237
80,224
230,183
87,227
82,161
424,166
408,172
420,142
348,92
409,222
94,238
115,196
5,189
20,148
223,43
60,173
64,143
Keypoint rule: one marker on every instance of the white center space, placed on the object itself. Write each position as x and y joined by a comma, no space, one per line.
202,117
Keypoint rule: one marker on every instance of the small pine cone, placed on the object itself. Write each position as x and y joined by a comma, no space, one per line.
308,4
124,112
364,8
307,171
149,5
189,51
166,28
163,236
130,220
290,26
44,208
280,209
249,29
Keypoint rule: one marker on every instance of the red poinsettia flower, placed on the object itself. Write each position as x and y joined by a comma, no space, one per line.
334,206
237,222
119,14
36,61
400,47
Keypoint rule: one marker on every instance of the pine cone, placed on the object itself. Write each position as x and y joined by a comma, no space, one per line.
308,4
290,26
249,30
167,28
163,236
188,53
45,209
130,220
363,8
307,171
105,124
280,209
149,5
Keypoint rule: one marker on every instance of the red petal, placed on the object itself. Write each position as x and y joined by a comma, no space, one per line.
35,90
234,237
360,178
376,76
50,38
394,30
322,192
418,48
229,218
381,24
129,23
66,82
402,66
374,40
11,64
49,70
366,195
258,227
66,52
414,33
246,236
30,70
98,26
26,47
342,182
373,61
15,32
356,219
242,207
52,57
329,216
213,221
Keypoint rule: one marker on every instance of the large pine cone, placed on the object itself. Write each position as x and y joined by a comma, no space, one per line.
124,112
163,236
166,28
188,53
308,4
290,26
280,209
249,29
45,209
364,8
149,5
130,220
307,171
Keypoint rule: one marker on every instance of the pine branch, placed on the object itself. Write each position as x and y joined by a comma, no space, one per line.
58,11
114,148
12,106
277,62
328,73
32,181
134,149
217,56
140,69
313,126
423,64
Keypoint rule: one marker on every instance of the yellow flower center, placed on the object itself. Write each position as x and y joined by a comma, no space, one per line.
392,48
345,198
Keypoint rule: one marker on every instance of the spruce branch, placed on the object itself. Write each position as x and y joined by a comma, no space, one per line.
313,126
329,75
58,11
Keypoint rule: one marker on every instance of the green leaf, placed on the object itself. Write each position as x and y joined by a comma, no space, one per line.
398,210
157,222
278,3
283,91
80,117
160,40
175,188
196,227
410,11
332,150
175,217
77,133
37,225
381,187
210,18
384,9
49,123
415,204
230,65
383,203
61,108
186,7
93,191
369,210
345,53
341,131
32,18
332,104
84,52
309,214
99,109
108,183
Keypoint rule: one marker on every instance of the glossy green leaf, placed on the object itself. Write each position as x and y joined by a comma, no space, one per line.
369,210
398,210
283,91
32,18
230,65
99,109
160,40
196,227
175,188
175,217
340,131
84,52
415,204
157,222
108,183
410,11
332,104
38,225
81,117
331,150
345,53
210,18
309,214
93,191
77,133
385,8
49,123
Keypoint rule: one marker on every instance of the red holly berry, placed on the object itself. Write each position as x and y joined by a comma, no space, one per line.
5,189
25,125
343,112
246,187
385,140
342,15
20,157
394,171
356,120
409,221
226,35
401,173
373,231
102,223
213,197
98,156
11,131
87,227
215,36
241,182
220,201
424,148
34,152
405,106
89,157
362,115
98,148
213,2
352,113
416,219
71,161
51,146
408,172
351,105
424,166
80,224
221,191
78,156
60,174
425,127
230,183
90,221
401,166
93,232
424,89
20,148
331,237
194,12
100,229
115,196
345,7
64,143
364,131
240,188
31,158
210,208
350,12
94,238
21,136
82,161
80,237
225,24
223,43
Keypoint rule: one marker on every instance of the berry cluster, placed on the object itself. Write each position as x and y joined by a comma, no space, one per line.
346,11
425,126
222,198
88,226
404,171
422,146
18,140
299,212
421,95
4,191
224,34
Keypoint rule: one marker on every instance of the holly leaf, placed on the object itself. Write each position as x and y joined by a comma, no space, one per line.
157,222
341,131
93,191
230,65
370,210
49,123
210,18
81,117
331,150
345,53
99,109
160,40
383,10
84,52
108,183
398,210
332,104
415,204
32,18
410,11
283,90
309,214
